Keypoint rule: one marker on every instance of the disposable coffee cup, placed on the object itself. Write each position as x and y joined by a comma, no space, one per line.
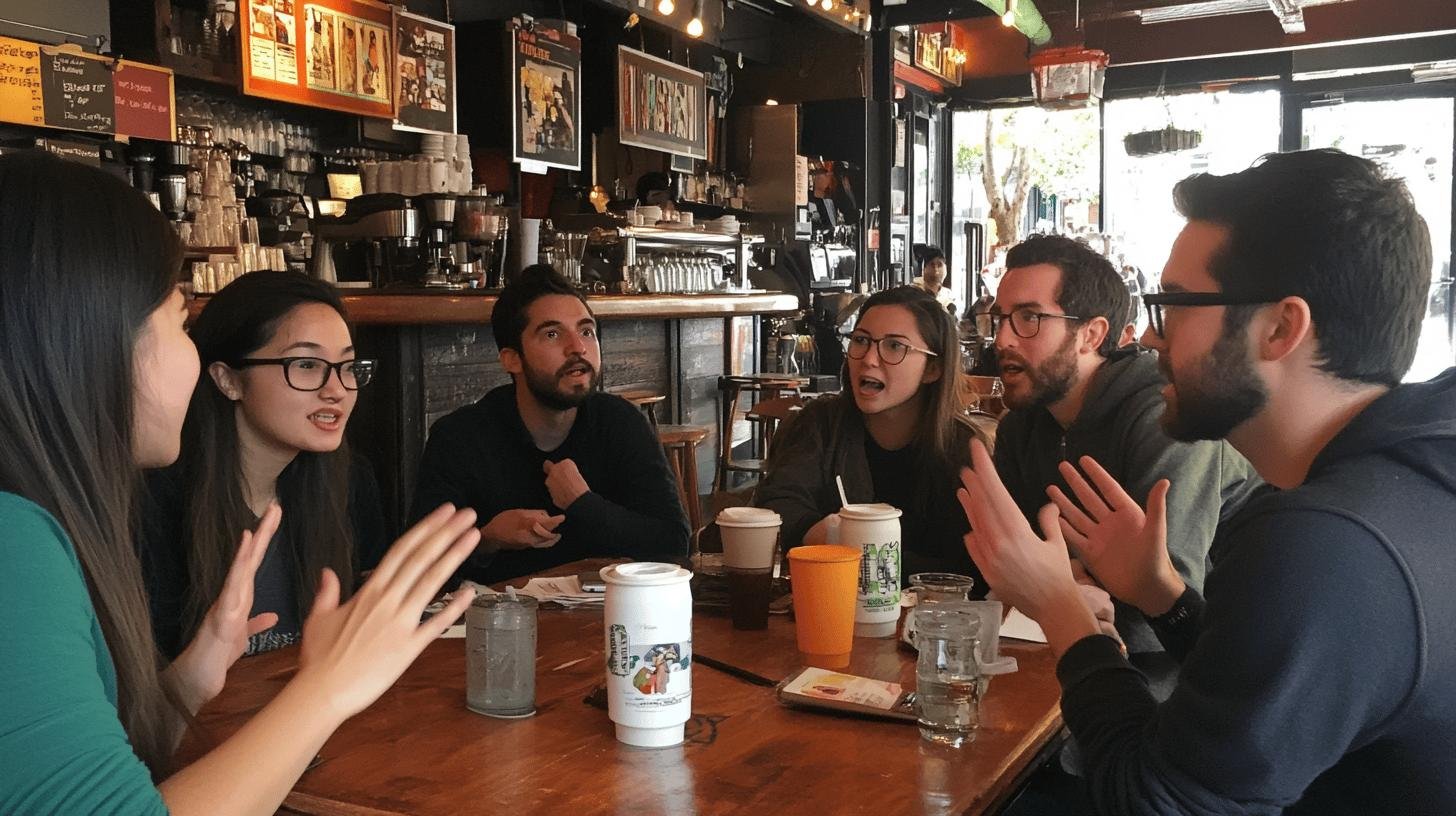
874,529
750,536
823,580
649,651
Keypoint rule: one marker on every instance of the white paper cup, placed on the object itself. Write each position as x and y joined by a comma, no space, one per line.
649,649
749,535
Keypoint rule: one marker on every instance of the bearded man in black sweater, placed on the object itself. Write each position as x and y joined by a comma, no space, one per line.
561,470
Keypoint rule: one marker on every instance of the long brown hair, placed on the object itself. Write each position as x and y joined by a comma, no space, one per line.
84,260
937,440
312,489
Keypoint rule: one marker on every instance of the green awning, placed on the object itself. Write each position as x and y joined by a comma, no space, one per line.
1028,20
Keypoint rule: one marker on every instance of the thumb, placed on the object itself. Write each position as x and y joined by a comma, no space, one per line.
546,467
1047,517
1157,515
262,623
327,598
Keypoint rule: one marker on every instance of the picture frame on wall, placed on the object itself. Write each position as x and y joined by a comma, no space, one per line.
546,93
661,105
424,73
930,51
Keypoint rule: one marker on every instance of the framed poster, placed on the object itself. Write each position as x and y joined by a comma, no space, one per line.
661,105
545,94
424,71
930,51
335,54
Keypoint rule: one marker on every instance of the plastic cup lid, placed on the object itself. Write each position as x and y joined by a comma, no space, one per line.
877,511
645,573
748,517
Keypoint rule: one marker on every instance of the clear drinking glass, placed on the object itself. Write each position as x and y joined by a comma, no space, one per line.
500,645
947,674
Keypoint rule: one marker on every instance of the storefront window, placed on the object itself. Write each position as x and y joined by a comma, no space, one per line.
1413,139
1233,129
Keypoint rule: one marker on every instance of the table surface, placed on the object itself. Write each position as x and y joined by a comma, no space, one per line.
418,750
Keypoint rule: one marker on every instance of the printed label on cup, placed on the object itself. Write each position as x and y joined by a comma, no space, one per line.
879,576
661,675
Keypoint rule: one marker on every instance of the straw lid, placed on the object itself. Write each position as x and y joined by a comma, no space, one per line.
645,573
878,511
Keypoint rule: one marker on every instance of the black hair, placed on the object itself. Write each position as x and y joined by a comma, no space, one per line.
1090,286
1332,229
508,319
929,254
313,489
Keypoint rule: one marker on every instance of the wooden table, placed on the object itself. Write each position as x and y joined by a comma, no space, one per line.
418,750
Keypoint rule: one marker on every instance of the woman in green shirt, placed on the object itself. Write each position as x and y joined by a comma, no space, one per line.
97,371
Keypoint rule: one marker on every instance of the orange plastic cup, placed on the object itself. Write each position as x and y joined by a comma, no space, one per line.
825,579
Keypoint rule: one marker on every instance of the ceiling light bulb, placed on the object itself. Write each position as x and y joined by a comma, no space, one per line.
1009,18
695,27
666,7
828,5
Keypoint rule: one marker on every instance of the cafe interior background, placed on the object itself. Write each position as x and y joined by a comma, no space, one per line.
818,146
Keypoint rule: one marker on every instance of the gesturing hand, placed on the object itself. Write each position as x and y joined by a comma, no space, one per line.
522,529
352,653
1124,547
199,672
564,481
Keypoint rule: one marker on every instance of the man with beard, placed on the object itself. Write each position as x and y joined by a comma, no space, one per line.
1072,391
562,470
1319,674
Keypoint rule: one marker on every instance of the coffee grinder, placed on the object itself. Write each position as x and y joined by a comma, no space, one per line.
439,212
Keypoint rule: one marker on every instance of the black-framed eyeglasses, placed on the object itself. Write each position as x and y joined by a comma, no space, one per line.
1024,322
1155,301
892,350
312,373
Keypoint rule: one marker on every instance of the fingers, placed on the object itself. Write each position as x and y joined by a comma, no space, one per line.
442,565
1091,501
444,619
408,572
546,467
1069,510
1158,507
550,523
327,597
262,623
413,537
1047,518
1116,497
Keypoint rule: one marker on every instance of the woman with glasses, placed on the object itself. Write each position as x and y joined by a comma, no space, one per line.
97,371
266,423
895,434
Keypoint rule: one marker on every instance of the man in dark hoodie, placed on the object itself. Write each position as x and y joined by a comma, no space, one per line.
1319,675
1058,319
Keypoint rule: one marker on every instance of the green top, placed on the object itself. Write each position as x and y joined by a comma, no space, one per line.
62,746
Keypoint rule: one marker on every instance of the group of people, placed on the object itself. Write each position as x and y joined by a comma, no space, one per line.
170,502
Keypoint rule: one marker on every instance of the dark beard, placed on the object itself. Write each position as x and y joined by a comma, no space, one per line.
1051,380
547,390
1225,392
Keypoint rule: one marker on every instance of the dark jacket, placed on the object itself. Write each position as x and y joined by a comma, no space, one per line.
827,439
1322,672
1118,426
482,456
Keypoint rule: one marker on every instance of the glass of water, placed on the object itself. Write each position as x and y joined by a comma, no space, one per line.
947,674
500,645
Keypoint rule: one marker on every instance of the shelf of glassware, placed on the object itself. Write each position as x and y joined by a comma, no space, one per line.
639,238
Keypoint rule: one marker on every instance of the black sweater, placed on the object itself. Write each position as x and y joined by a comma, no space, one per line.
482,456
1320,677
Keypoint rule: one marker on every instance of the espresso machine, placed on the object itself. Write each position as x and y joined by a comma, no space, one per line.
438,250
481,227
376,242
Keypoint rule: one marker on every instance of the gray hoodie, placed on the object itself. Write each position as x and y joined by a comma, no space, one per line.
1118,426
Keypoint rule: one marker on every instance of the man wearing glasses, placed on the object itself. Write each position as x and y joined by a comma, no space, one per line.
1058,317
1319,674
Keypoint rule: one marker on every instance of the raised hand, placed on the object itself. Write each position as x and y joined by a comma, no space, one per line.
522,529
199,672
565,482
352,653
1124,547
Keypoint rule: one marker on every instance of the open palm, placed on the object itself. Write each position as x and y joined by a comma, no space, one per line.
1122,545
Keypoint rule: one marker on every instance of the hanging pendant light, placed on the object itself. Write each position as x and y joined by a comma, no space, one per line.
695,25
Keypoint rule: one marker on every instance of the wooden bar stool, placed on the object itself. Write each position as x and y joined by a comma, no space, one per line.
731,388
680,443
645,399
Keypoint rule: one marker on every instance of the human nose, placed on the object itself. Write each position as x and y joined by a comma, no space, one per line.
334,384
1150,339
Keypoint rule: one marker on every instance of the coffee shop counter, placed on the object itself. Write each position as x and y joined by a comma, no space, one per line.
436,353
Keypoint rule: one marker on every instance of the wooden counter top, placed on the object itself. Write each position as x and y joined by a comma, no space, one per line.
389,308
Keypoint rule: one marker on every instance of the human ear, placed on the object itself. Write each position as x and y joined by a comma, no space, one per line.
227,380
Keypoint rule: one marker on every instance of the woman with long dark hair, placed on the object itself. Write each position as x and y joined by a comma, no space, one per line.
896,434
96,372
265,423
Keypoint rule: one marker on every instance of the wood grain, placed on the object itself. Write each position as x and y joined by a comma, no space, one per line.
418,750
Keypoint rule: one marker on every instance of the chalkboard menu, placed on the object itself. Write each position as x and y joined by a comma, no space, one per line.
78,92
66,88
